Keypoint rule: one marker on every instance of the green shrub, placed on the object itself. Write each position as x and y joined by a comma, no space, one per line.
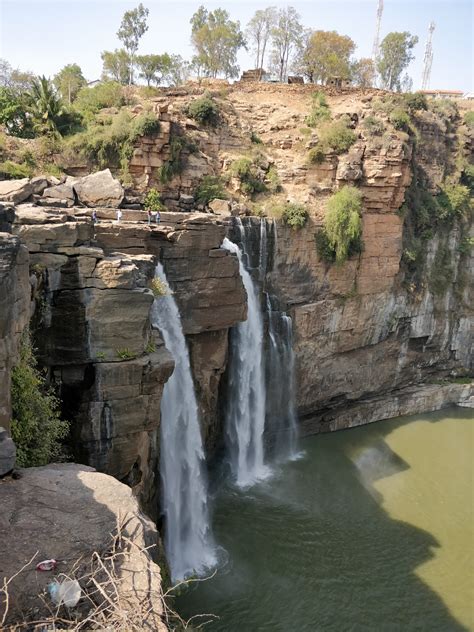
337,136
255,139
210,188
251,176
373,126
37,428
158,287
125,354
175,163
415,101
453,202
316,155
467,177
204,110
400,119
320,111
444,108
324,249
144,125
469,119
107,94
109,140
466,245
11,170
153,201
273,180
343,223
294,215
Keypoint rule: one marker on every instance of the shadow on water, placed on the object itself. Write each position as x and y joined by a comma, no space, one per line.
313,549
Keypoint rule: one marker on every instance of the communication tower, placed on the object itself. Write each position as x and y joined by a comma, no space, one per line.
428,58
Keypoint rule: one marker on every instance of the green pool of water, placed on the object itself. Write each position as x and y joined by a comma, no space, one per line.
373,529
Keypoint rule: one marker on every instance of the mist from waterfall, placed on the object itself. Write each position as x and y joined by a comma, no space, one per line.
245,414
189,543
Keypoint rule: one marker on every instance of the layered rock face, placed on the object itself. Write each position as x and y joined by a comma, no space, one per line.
91,325
14,305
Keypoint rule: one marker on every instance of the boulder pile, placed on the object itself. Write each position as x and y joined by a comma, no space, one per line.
98,189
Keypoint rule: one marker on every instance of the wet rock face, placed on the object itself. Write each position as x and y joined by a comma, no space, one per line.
14,312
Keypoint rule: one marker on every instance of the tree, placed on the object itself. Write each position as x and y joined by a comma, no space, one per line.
216,39
285,37
13,113
116,65
327,55
69,81
258,32
132,29
179,70
395,55
153,68
45,105
16,80
363,72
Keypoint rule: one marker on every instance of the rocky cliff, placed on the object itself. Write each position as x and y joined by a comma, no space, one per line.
90,301
382,335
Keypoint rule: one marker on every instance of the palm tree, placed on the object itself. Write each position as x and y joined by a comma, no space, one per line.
45,106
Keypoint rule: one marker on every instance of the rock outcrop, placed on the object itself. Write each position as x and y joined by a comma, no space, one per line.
71,513
99,189
92,296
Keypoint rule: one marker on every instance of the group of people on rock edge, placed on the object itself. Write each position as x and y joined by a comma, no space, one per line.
153,216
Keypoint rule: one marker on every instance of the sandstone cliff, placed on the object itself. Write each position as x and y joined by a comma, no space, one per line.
369,335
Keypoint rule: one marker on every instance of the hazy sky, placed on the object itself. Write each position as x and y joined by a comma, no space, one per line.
44,35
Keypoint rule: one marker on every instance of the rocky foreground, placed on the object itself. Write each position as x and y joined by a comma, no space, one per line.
91,525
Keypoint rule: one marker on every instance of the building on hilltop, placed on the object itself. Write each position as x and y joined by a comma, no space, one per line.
442,94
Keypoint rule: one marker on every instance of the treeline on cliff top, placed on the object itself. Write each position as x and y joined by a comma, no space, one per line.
32,106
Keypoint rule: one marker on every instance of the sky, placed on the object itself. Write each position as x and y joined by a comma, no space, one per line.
44,35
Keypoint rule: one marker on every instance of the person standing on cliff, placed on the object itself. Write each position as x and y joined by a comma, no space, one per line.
149,216
158,217
119,215
94,217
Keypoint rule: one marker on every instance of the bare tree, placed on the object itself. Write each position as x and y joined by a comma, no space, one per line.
285,37
258,32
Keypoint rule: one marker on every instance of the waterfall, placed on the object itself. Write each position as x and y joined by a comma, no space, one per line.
274,356
245,418
188,540
281,404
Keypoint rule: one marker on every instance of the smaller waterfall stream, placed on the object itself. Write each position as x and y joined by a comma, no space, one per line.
188,541
246,401
281,404
260,403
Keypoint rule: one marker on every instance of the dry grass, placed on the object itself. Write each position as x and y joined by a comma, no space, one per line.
112,599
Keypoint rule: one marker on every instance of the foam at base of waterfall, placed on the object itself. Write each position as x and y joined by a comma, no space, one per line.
189,544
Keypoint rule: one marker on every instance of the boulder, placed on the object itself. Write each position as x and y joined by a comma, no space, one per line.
7,452
70,513
99,189
39,184
59,192
220,207
15,191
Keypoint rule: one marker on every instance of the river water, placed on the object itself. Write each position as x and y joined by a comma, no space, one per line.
371,530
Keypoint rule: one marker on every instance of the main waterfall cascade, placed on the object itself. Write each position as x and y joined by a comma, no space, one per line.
188,540
261,398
